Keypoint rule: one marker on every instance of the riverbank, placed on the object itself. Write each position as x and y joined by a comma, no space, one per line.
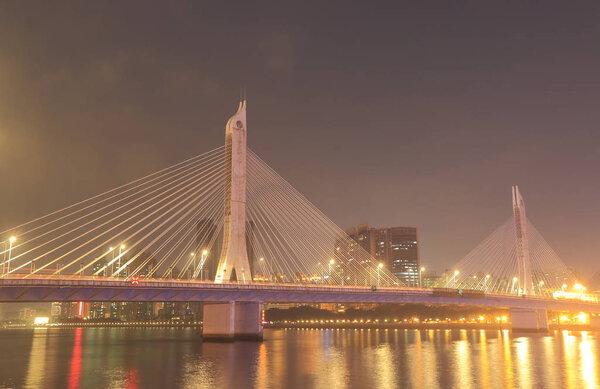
106,324
423,326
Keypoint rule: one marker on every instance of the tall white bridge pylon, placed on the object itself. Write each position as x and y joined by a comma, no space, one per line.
522,242
234,252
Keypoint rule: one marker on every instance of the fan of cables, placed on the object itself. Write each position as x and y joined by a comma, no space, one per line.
493,266
146,227
293,241
169,224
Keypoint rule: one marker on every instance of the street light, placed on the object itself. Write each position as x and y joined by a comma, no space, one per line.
202,261
4,256
579,287
541,284
421,270
456,272
193,270
121,248
487,277
331,263
11,240
379,267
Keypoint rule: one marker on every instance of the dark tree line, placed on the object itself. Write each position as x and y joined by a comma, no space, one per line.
381,312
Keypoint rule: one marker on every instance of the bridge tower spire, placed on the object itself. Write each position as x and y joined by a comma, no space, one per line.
522,239
234,253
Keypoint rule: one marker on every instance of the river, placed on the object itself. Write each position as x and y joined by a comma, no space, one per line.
296,358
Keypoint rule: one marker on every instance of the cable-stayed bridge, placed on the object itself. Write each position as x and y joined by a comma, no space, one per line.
514,259
223,227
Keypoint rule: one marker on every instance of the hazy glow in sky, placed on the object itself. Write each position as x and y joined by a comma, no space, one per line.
419,113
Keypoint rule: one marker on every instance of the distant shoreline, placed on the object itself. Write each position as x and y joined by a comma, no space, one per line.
106,324
315,326
423,326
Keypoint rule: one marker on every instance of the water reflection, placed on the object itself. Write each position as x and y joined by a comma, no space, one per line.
570,358
484,360
508,362
549,358
430,369
462,357
524,362
37,360
589,366
384,358
176,358
75,371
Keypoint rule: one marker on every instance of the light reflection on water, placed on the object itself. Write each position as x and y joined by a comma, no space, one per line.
524,371
330,359
589,366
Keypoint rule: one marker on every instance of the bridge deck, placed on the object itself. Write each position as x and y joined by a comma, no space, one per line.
82,288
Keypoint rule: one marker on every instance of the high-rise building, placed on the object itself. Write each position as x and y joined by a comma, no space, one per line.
64,310
396,247
429,279
27,314
143,264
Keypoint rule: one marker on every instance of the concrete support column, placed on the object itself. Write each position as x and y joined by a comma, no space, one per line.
225,322
529,320
595,321
218,322
248,321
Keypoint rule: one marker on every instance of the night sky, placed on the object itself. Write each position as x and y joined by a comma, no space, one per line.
420,113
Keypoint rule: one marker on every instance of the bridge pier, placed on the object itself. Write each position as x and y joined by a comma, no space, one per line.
529,320
226,322
595,321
